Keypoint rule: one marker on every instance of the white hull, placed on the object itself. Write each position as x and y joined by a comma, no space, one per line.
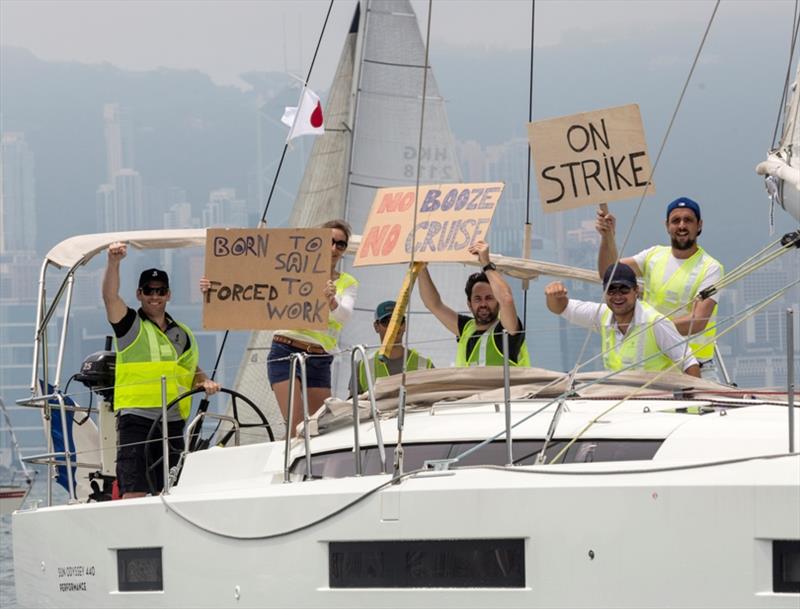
692,537
11,498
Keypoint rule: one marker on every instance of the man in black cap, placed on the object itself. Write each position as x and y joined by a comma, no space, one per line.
674,275
634,335
149,345
394,363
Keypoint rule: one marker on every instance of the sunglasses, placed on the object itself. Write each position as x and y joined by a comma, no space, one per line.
385,321
340,245
149,291
618,289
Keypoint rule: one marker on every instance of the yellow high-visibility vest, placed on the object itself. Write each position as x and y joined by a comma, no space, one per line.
329,339
380,369
637,345
666,294
140,366
485,352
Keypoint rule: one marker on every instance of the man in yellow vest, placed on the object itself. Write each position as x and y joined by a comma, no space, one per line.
491,302
394,363
674,275
634,335
149,344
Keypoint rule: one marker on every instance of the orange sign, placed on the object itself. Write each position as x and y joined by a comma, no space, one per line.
450,218
267,279
589,158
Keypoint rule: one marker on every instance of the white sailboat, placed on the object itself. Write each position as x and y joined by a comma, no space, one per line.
12,493
518,488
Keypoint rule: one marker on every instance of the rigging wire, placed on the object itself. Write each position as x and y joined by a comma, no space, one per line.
263,222
401,405
792,45
528,188
658,156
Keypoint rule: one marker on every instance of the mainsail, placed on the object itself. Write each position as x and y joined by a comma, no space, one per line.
371,141
385,153
782,167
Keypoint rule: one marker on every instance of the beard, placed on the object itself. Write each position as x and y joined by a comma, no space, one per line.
686,244
485,316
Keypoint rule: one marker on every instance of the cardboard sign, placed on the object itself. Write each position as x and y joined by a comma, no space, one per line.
267,279
588,158
450,218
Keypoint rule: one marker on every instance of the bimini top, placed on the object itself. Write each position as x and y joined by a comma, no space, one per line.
82,248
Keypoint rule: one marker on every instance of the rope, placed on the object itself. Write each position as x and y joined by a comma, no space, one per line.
636,391
542,471
528,188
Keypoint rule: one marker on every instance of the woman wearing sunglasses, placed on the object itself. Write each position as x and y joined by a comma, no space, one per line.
340,291
318,345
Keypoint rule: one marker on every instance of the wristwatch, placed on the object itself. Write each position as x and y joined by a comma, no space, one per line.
490,267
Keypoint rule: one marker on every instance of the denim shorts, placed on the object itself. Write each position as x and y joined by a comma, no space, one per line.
318,367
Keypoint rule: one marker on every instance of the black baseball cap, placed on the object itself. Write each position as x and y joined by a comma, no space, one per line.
623,275
153,275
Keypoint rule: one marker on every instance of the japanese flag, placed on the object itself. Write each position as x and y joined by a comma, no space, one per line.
305,119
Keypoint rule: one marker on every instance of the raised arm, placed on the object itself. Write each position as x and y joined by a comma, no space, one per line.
115,306
698,319
433,301
606,225
556,297
500,288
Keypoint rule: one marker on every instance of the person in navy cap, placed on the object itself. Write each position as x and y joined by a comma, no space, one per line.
149,344
394,363
674,275
634,335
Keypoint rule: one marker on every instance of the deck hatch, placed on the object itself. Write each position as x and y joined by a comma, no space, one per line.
139,569
429,563
785,566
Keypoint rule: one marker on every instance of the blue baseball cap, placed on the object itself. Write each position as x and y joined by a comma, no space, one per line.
684,203
384,310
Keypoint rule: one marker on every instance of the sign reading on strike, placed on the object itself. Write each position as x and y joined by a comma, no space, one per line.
267,279
450,218
588,158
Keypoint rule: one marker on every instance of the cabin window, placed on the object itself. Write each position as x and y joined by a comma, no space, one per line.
139,569
432,563
785,566
341,463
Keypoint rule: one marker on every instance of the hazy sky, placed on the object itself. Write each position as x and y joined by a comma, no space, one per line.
224,39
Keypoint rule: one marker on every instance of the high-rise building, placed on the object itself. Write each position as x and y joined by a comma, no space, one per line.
224,209
120,201
106,208
120,152
128,198
17,195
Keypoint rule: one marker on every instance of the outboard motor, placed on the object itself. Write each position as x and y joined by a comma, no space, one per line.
97,372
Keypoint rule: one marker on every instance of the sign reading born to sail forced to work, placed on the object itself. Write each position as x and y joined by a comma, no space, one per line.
267,279
450,218
589,158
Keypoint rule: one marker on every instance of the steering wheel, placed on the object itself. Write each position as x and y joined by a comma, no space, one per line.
152,462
